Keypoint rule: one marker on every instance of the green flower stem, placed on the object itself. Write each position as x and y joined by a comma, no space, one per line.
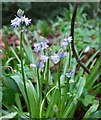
39,85
67,85
44,63
69,56
59,73
47,75
22,71
47,70
44,74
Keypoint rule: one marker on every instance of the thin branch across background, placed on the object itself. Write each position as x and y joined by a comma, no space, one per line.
72,43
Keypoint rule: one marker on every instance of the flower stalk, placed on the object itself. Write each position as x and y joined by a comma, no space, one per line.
69,55
22,71
39,86
47,71
47,79
59,72
59,85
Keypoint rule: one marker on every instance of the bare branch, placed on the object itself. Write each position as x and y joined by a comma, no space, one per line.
72,43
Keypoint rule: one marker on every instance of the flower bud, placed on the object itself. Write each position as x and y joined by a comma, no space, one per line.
20,13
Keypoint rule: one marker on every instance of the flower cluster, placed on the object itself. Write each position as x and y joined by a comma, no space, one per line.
40,46
43,45
40,63
56,57
20,18
65,42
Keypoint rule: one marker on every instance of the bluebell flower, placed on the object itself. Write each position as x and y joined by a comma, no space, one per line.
55,58
64,43
16,22
20,19
37,47
69,74
32,65
69,39
62,54
44,45
24,31
37,65
26,20
43,58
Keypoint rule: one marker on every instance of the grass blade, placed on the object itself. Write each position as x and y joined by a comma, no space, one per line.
15,54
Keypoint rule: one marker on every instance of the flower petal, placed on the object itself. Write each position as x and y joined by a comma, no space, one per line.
55,58
70,39
26,20
44,58
32,65
37,47
16,22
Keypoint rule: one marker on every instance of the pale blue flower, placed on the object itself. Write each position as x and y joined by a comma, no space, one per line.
69,74
24,31
37,65
43,58
70,39
44,45
55,58
64,43
26,20
37,47
18,20
32,65
62,54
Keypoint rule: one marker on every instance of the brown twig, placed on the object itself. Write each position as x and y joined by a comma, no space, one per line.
72,43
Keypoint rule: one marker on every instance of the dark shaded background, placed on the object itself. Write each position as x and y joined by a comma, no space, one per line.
42,10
